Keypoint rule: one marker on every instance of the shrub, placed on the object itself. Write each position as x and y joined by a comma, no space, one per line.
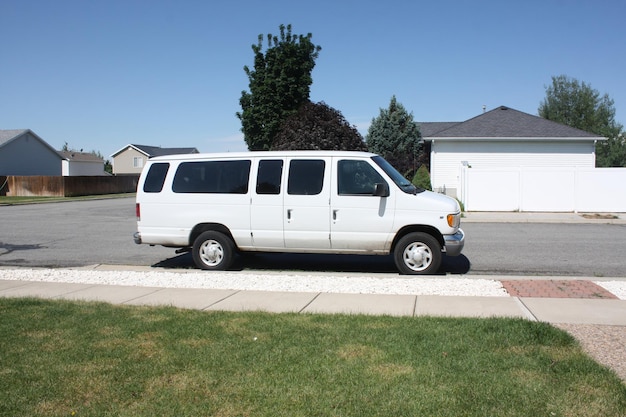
422,178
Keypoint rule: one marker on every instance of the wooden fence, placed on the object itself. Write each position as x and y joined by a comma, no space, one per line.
66,186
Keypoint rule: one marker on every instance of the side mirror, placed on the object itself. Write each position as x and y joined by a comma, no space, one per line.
381,189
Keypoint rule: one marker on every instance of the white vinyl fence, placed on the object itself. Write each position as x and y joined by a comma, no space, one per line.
544,189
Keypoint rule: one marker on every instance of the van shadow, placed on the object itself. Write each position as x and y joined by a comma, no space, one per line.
317,263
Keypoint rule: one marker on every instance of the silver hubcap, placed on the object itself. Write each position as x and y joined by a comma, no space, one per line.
417,256
211,252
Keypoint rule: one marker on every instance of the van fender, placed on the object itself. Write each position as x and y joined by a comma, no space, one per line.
433,231
205,227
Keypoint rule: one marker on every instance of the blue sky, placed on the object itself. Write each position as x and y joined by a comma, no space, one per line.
102,74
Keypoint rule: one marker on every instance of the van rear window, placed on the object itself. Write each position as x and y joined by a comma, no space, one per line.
156,177
225,177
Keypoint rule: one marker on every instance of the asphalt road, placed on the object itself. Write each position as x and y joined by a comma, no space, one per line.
83,233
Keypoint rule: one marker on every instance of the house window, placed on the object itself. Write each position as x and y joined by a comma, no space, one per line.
137,162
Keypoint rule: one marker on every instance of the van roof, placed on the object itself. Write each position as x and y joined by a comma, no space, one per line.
262,154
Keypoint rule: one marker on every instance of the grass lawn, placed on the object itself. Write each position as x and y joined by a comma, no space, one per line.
61,358
12,200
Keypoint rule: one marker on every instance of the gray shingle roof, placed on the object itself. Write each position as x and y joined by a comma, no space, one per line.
430,128
504,122
7,135
80,156
152,151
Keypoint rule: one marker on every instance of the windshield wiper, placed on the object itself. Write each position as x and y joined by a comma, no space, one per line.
411,189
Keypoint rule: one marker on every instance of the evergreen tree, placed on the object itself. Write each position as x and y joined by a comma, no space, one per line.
279,84
396,137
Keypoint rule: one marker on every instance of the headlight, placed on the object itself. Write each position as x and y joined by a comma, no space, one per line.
454,220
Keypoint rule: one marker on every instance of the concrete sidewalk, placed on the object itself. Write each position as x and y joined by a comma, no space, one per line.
542,217
552,310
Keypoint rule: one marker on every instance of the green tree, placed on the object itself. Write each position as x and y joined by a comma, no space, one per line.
396,137
318,126
279,84
612,152
422,178
108,167
578,105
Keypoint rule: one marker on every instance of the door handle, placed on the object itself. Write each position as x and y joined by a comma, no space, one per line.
288,214
335,214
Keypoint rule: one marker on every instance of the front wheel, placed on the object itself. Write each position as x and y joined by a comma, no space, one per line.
213,251
417,253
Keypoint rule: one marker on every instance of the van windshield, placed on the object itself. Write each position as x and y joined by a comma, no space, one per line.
404,184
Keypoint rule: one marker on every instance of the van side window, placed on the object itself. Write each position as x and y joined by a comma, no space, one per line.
269,176
226,177
156,177
306,177
357,178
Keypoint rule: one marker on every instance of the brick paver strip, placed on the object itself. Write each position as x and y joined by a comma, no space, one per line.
555,289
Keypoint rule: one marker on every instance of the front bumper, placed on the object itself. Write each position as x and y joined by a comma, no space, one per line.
454,243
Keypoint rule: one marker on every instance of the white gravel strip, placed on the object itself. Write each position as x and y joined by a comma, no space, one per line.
617,288
267,282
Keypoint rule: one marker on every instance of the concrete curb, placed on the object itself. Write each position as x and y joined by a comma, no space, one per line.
539,217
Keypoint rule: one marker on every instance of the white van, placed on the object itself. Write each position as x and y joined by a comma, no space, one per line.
293,201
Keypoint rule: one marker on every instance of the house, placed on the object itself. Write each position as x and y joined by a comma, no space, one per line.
503,138
130,159
81,164
24,153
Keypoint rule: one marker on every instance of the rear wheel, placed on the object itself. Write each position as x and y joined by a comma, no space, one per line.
417,253
213,251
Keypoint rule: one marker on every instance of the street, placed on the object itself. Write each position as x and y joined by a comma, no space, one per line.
100,232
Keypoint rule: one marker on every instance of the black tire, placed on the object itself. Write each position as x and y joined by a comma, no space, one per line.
213,251
417,254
